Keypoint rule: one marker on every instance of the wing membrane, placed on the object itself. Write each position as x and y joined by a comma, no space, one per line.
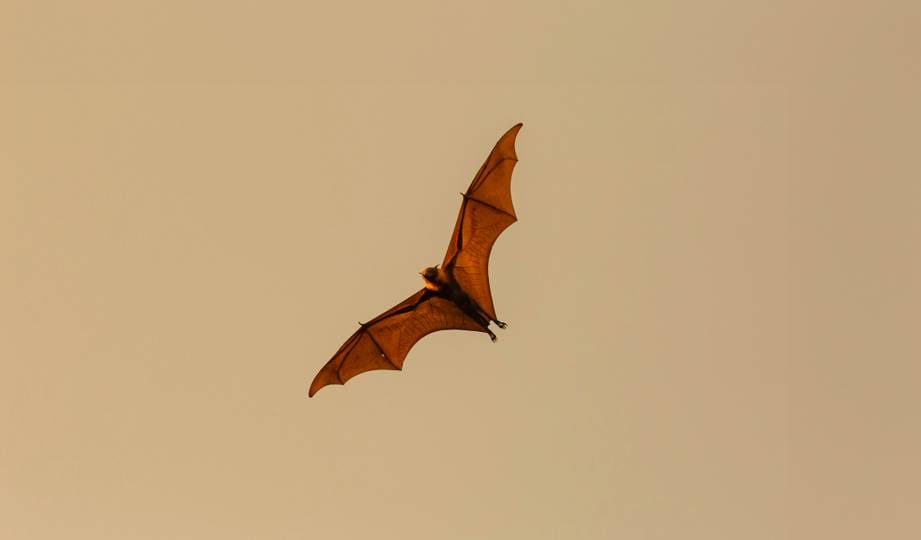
384,342
485,212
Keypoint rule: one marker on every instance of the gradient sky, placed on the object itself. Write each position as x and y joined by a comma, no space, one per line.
712,289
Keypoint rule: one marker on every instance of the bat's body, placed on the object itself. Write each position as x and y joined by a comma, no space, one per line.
442,283
456,295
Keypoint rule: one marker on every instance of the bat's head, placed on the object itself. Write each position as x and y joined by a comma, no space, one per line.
432,277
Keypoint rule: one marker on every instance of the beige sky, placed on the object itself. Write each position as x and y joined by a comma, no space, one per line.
712,290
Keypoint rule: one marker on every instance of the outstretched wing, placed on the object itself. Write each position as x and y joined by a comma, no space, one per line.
485,212
384,342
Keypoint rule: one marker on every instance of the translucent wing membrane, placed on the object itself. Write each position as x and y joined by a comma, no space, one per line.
485,212
384,342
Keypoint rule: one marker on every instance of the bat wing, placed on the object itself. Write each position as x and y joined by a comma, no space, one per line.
485,212
383,342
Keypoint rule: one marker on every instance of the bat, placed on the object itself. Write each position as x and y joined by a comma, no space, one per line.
455,296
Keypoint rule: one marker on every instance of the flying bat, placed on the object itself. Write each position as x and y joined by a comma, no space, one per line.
456,296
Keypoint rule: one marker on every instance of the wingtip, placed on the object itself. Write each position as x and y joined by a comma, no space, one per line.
316,386
512,134
313,391
506,142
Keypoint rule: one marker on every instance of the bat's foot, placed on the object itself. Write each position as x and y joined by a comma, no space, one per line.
492,336
501,324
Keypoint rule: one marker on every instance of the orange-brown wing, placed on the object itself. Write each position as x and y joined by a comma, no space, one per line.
485,212
384,342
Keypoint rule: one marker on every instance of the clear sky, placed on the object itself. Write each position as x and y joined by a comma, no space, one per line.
712,290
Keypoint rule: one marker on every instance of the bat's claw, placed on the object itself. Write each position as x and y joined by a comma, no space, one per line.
501,324
492,336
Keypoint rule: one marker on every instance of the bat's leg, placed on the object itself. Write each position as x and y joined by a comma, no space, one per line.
472,310
501,324
485,322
